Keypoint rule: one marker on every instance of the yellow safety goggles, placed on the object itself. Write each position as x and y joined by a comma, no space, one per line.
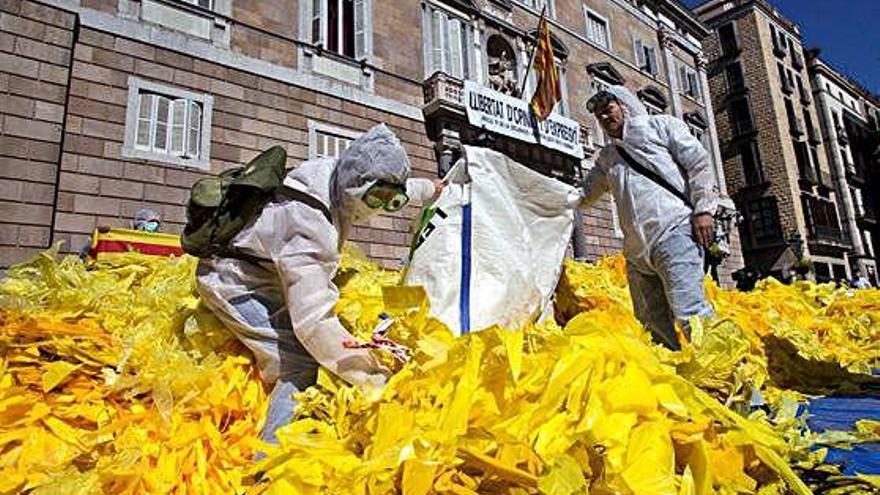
390,197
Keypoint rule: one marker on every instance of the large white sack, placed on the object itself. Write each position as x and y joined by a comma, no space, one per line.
489,251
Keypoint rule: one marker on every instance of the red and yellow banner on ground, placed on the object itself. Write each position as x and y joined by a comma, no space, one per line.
109,242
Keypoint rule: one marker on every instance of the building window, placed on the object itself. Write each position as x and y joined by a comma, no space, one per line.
205,4
735,78
802,157
785,78
727,36
646,57
539,5
869,244
812,135
341,26
689,83
741,117
794,124
597,29
779,41
327,141
751,163
447,46
857,199
764,221
167,124
802,91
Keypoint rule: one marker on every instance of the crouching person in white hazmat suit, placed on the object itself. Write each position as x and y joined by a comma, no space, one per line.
279,299
664,231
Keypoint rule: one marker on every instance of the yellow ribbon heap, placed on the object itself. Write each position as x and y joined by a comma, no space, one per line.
115,380
111,383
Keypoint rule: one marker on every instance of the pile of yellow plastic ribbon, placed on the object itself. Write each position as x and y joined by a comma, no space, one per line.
116,380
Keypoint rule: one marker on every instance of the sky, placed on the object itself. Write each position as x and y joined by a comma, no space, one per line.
847,31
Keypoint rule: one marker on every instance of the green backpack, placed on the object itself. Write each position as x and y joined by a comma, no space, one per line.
219,207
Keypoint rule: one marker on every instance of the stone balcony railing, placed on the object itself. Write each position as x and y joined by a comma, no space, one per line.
443,92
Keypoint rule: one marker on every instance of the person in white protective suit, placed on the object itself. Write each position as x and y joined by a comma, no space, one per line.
282,308
663,238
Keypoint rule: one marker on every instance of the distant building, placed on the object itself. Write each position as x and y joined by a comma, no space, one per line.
771,143
112,106
850,121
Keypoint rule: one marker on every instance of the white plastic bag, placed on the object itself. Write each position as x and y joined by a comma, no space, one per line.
490,249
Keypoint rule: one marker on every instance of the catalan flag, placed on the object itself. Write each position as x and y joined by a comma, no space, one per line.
548,90
109,242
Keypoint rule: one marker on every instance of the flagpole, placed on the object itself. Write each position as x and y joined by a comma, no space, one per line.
532,55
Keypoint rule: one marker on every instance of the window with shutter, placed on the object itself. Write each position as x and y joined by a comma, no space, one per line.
454,66
597,30
640,53
160,130
682,79
195,129
205,4
178,126
651,57
341,26
448,48
145,121
318,28
166,124
360,30
326,141
693,85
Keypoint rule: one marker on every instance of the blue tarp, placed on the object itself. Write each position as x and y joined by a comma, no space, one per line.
835,413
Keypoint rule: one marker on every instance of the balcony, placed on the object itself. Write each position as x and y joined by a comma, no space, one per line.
443,94
827,236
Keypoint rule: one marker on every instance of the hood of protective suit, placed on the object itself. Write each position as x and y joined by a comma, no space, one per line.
376,155
632,107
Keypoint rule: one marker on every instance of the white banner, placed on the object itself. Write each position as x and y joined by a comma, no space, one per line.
509,116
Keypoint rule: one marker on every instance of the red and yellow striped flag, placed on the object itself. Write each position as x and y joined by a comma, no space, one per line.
548,90
108,243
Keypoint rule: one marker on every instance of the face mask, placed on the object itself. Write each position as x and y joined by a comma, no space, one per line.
152,227
353,207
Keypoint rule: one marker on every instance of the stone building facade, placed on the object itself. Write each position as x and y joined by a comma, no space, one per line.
767,121
850,122
109,106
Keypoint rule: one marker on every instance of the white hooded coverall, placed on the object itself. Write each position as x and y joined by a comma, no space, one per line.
664,262
282,309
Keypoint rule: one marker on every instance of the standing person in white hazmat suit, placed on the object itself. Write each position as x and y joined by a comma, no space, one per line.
278,296
663,235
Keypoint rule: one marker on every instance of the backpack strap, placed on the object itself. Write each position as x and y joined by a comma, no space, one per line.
306,199
293,195
651,175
